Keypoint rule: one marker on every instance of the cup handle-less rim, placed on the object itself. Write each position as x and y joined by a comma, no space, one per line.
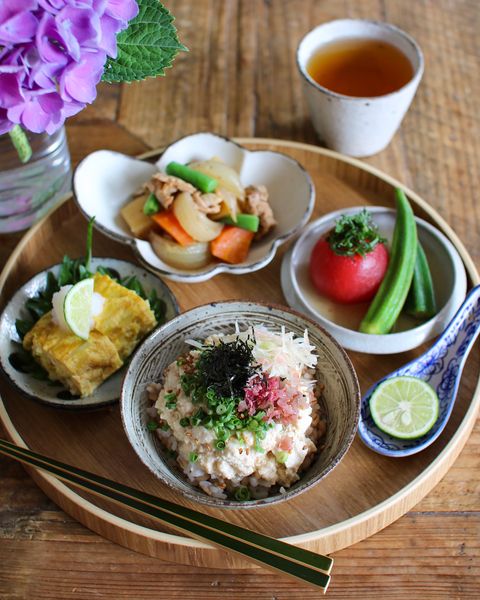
393,30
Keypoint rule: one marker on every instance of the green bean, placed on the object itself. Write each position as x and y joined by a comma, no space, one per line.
201,181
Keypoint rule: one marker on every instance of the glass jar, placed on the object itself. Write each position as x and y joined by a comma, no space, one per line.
28,191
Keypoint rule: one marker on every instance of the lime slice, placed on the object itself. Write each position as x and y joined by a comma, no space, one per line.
77,308
404,407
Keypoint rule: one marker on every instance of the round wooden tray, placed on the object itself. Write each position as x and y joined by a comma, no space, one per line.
366,491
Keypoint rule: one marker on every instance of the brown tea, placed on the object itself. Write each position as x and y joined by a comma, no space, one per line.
360,67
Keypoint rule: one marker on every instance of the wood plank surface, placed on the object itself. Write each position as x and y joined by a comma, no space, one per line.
239,78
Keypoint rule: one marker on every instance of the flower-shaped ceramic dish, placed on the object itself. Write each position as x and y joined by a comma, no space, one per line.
342,321
53,393
340,398
104,181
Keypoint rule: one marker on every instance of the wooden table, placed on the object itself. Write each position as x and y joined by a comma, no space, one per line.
240,79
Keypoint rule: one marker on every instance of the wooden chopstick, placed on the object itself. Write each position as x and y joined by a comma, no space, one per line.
302,564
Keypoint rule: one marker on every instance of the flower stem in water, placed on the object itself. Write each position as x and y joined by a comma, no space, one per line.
21,143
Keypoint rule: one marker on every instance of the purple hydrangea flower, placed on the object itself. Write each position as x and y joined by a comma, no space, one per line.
52,56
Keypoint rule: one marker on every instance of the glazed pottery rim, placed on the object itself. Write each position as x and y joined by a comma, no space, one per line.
76,405
203,498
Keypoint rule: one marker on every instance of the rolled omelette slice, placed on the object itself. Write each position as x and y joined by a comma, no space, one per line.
81,365
125,319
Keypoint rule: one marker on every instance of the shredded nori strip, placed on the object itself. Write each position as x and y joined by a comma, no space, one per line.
226,367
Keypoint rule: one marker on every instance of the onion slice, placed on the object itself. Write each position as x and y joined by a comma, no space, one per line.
228,207
193,256
195,222
226,176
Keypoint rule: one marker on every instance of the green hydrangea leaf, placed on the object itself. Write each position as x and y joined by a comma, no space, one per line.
147,47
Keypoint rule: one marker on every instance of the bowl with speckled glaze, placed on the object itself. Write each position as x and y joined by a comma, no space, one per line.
339,399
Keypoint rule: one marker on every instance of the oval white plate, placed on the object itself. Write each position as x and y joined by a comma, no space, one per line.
54,393
105,181
448,275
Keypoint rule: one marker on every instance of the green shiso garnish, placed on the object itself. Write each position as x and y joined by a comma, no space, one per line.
354,234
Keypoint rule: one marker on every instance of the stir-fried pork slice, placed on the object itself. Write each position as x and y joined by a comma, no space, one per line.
207,203
165,187
256,203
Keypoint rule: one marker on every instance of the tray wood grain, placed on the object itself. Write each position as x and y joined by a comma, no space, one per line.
364,494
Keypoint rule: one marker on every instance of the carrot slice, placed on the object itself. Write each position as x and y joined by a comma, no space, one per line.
232,245
169,223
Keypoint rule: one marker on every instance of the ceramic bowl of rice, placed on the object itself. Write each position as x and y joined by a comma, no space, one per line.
239,404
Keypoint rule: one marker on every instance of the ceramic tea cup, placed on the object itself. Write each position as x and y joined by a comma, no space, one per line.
357,125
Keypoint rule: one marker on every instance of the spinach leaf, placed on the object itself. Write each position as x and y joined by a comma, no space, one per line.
24,362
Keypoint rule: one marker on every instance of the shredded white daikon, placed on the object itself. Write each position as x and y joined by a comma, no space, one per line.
58,299
194,343
284,354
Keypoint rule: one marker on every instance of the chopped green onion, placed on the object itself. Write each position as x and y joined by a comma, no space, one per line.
152,425
211,395
151,206
242,493
281,457
239,436
164,426
222,434
171,400
196,419
203,182
220,444
193,457
195,396
186,383
185,422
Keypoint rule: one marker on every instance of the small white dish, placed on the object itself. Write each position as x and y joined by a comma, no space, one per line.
50,392
104,181
342,321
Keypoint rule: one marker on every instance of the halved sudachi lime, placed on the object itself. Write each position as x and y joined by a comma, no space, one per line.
77,308
404,407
